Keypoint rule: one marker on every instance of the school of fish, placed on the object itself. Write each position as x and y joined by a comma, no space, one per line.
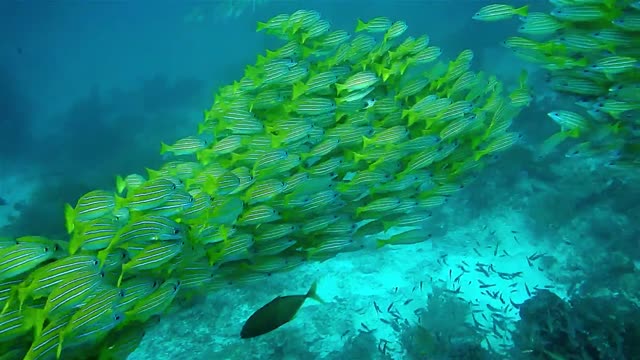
325,142
591,49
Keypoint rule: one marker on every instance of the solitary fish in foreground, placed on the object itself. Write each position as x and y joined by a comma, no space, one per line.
276,313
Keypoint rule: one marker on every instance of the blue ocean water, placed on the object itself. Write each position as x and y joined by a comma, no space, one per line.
88,90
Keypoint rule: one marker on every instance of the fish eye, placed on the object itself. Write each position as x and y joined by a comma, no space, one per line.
46,249
176,231
121,293
191,199
117,317
95,262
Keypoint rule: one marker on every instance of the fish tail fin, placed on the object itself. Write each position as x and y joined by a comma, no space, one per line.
276,141
340,88
102,256
120,184
121,202
23,294
357,157
380,243
202,157
385,74
74,244
361,26
69,217
202,127
164,148
365,142
404,67
153,173
261,26
299,89
29,318
38,322
393,55
522,11
12,295
121,275
308,51
312,293
550,144
377,68
59,349
522,79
